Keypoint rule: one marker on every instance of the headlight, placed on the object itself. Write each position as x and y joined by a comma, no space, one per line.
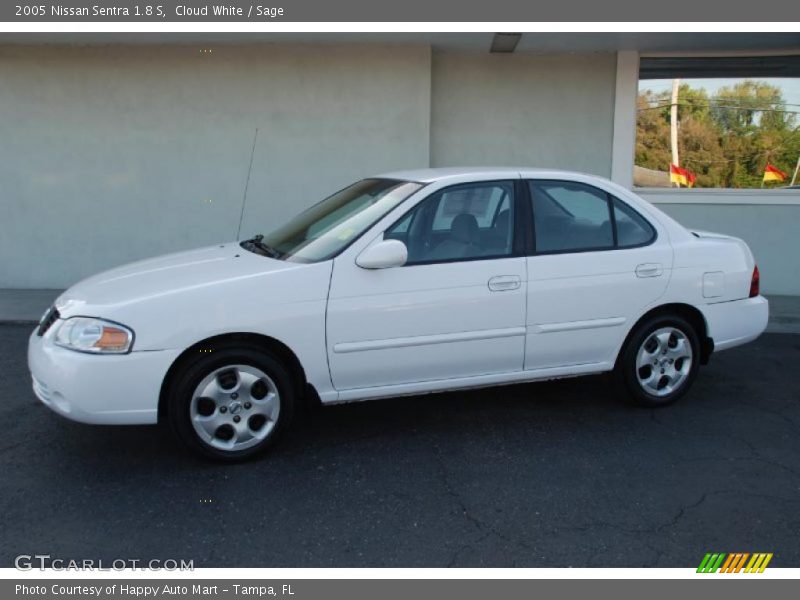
97,336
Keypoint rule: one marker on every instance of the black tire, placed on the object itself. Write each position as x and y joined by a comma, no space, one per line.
180,396
628,377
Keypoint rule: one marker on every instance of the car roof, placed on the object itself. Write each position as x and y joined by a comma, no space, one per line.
444,173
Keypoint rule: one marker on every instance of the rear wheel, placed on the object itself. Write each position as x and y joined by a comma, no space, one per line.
232,403
659,362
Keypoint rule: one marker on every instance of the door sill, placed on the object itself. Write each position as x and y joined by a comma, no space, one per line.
460,383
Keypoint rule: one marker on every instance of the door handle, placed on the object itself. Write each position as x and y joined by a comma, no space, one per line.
503,283
649,270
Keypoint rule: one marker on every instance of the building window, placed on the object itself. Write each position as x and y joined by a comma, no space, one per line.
729,122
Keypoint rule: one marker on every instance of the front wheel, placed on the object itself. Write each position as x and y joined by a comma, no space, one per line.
659,362
231,403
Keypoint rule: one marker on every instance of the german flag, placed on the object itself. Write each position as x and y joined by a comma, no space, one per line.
773,174
681,176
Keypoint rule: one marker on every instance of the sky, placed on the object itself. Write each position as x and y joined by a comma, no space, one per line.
789,85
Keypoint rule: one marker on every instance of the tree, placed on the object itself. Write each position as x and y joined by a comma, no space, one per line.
726,139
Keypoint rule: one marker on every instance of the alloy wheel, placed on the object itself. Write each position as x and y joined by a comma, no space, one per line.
664,361
235,407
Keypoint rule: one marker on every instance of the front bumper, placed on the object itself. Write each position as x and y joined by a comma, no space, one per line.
736,322
118,389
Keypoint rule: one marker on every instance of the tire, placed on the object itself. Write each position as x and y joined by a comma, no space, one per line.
232,403
659,361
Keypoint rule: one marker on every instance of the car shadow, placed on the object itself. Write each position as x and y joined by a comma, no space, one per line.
559,404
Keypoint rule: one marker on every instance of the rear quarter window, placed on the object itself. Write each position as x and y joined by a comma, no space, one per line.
632,228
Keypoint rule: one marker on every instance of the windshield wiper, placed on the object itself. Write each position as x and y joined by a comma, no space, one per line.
257,243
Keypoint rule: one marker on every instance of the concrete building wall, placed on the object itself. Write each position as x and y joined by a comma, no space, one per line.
111,154
542,111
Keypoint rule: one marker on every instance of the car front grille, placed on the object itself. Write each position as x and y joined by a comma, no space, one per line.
50,317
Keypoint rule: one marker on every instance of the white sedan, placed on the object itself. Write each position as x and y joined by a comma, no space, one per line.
405,283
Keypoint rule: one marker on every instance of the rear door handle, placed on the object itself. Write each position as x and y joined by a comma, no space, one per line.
503,283
649,270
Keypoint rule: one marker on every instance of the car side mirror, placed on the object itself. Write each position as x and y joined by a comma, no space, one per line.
383,255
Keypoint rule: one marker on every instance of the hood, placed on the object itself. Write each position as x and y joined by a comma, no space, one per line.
166,275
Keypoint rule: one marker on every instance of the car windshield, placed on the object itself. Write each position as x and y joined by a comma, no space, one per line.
325,229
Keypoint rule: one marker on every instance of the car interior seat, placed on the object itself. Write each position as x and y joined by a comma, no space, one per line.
462,240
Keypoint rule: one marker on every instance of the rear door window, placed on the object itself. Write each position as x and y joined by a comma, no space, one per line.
576,217
570,217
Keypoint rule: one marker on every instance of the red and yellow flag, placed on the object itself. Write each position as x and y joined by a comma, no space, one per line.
681,176
773,174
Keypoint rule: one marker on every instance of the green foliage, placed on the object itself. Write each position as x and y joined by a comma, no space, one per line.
726,139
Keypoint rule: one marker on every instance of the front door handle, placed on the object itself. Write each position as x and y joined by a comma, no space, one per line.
503,283
649,270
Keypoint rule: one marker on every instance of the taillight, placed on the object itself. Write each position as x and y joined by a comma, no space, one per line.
754,283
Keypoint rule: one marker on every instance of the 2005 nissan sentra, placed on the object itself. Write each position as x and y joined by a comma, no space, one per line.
404,283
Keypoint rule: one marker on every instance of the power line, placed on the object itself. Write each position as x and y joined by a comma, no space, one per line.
698,105
735,99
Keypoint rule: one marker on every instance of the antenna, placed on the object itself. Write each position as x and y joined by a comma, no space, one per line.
247,183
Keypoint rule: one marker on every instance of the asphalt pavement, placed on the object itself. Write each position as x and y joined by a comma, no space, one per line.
544,475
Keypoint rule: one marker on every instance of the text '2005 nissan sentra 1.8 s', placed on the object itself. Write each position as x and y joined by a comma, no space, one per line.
404,283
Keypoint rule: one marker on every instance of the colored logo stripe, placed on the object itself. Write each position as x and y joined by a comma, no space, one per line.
734,563
711,563
758,563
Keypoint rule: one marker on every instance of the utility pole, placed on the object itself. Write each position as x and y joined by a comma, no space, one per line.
796,169
673,121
